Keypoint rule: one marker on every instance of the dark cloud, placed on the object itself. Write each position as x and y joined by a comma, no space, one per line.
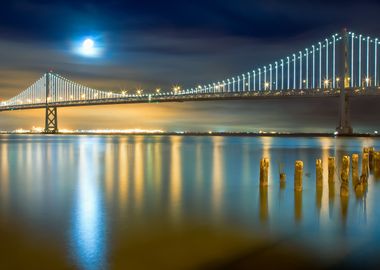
51,20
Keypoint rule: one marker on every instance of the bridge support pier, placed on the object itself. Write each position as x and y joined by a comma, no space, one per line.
51,120
344,126
51,115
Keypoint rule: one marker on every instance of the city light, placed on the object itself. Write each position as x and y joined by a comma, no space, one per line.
176,89
367,81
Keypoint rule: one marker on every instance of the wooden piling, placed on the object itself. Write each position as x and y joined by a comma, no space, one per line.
331,169
319,172
355,169
359,188
376,164
371,152
344,175
298,171
318,197
264,166
365,168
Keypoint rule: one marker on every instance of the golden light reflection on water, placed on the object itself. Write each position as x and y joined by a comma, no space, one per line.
139,171
157,164
265,197
198,169
217,176
175,176
324,198
149,181
266,153
369,196
109,170
264,211
4,175
123,173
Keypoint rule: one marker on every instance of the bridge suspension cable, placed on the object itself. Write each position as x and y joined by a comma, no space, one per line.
313,68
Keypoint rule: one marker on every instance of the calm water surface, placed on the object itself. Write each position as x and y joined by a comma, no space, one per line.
172,202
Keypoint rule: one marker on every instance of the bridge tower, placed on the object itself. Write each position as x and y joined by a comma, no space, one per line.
344,127
51,116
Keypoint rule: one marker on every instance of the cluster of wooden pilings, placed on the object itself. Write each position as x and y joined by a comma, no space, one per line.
370,162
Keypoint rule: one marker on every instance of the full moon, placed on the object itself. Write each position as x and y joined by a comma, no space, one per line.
88,44
87,47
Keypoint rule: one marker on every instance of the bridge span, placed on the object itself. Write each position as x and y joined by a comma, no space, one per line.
342,65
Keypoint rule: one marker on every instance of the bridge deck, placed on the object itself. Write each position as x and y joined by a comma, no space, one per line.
185,97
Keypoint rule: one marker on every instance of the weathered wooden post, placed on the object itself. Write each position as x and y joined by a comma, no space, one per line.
365,168
318,196
344,208
359,188
355,168
319,182
371,152
298,171
264,166
344,175
331,169
376,164
319,173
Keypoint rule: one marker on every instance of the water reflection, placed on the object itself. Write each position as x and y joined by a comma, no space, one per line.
264,196
4,176
198,169
175,177
264,203
139,172
88,226
298,205
88,186
109,171
324,197
123,174
217,176
344,209
157,175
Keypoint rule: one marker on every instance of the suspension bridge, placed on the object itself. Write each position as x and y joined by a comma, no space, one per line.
342,65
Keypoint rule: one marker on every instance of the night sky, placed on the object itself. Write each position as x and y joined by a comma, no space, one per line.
151,44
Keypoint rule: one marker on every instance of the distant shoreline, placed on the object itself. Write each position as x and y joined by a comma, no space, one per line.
201,134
